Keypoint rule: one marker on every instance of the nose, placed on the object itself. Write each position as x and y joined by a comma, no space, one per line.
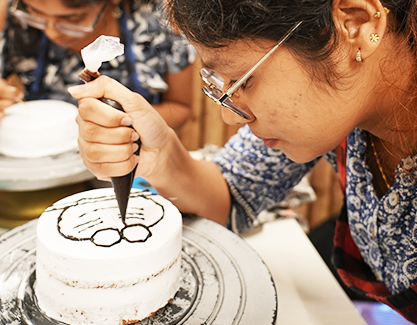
50,30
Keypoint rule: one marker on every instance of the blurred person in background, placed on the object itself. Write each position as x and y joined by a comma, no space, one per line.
42,40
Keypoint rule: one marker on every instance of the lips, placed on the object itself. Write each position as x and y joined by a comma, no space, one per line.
271,143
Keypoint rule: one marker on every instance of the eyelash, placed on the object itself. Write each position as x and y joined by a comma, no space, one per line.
242,86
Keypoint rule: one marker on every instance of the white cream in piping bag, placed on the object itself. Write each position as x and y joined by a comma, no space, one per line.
103,49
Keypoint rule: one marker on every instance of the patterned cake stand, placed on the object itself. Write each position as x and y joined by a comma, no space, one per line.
223,280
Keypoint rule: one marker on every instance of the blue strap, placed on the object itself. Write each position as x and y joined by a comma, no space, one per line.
35,90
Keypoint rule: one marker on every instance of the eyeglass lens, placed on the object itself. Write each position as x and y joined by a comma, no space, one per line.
25,17
213,89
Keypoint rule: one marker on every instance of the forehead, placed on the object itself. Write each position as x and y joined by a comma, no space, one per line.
237,55
54,7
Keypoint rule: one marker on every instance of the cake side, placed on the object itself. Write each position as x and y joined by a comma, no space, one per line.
99,277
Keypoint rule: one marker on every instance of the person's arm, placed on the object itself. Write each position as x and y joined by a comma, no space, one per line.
106,146
8,94
175,106
4,7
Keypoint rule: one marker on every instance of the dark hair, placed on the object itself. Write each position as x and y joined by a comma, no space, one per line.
217,23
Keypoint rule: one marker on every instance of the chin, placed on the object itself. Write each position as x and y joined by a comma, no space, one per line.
301,157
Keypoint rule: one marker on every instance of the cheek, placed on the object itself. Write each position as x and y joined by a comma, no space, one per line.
276,105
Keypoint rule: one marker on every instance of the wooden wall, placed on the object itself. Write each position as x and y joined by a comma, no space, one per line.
207,127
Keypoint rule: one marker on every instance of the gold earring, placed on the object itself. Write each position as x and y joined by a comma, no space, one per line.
374,38
117,13
378,14
359,55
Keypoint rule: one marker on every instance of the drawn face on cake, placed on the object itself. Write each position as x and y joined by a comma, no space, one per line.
98,219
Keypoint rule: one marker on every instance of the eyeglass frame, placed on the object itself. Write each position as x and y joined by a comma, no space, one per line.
21,15
236,85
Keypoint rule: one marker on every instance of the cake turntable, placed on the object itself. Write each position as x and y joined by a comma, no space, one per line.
223,280
27,174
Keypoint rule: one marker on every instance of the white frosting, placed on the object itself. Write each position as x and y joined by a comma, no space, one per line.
110,272
38,128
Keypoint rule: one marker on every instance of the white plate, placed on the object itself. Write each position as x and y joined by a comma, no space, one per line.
18,174
224,281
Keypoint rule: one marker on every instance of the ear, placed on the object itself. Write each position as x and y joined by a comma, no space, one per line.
361,24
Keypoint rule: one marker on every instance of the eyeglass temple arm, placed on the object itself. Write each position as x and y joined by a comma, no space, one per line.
239,82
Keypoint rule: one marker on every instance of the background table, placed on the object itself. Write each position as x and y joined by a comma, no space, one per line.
308,293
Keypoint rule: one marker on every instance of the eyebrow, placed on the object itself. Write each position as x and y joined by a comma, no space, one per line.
225,65
209,64
67,16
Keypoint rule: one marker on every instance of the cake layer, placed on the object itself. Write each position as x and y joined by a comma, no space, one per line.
123,305
38,128
95,262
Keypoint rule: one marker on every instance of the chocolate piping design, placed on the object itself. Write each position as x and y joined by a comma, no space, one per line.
101,227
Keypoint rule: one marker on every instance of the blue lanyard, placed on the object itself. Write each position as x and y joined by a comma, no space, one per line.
36,91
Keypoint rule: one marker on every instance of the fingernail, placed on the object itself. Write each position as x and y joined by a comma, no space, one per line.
126,121
135,147
79,89
135,136
12,89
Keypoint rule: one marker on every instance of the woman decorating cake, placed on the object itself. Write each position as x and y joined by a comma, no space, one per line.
305,79
42,41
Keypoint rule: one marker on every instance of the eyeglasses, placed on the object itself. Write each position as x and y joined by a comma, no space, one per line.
215,82
18,10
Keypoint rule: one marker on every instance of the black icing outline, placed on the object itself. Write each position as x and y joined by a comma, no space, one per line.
144,194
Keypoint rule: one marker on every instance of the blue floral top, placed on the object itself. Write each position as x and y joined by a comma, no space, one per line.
384,230
47,70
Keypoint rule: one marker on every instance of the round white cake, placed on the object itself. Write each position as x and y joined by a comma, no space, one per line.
94,268
38,128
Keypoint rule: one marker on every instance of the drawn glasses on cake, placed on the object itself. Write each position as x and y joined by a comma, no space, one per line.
103,225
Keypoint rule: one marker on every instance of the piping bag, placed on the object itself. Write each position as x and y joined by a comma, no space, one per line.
106,48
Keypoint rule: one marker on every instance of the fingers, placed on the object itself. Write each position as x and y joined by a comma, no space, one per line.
9,95
108,160
92,132
106,142
9,92
105,87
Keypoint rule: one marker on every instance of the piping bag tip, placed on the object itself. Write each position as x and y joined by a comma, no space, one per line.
122,186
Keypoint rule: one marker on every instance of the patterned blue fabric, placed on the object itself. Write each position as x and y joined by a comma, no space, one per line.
258,177
157,51
385,230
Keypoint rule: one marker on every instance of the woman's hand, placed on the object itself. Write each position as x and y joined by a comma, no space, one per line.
107,147
9,95
107,144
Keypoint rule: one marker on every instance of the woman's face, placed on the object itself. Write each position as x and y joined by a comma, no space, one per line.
303,118
56,12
